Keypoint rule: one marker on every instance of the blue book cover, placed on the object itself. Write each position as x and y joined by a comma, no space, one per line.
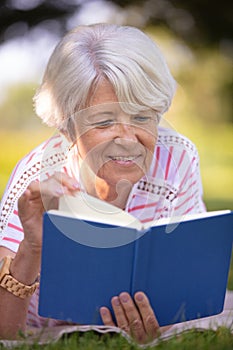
183,267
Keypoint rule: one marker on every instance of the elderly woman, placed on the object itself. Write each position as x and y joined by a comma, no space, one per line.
105,89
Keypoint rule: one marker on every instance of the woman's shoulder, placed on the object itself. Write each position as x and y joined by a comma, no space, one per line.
57,144
174,154
46,158
41,160
47,154
168,137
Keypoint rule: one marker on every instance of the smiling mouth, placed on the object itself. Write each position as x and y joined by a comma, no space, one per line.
125,160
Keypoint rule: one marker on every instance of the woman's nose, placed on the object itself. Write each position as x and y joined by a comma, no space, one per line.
125,133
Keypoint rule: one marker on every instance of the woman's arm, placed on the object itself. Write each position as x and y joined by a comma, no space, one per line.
25,267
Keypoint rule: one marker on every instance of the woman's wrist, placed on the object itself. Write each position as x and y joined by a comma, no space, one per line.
25,267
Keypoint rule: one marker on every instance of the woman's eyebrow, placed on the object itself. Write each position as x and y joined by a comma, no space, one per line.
101,113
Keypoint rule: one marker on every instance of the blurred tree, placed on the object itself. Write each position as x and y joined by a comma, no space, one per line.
18,16
198,22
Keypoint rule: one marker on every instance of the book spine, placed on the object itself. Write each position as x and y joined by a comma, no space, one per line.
140,263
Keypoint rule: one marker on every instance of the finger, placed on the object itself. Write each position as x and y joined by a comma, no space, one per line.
30,211
149,320
120,316
67,181
106,316
33,190
44,193
40,196
26,198
61,184
133,316
57,185
45,188
23,202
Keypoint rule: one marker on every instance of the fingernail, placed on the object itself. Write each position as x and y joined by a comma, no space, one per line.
124,298
76,186
103,311
59,191
139,297
26,192
116,301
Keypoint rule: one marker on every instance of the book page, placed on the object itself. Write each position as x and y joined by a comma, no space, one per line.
86,207
175,220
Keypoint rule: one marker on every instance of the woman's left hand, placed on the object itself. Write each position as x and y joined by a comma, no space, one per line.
135,317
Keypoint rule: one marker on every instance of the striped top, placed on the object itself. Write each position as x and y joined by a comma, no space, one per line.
172,187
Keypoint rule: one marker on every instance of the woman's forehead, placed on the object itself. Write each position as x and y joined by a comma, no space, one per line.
103,93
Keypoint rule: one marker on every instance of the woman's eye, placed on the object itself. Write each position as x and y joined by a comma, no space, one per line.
104,123
141,119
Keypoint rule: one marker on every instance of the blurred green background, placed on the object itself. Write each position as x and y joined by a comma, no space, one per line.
199,54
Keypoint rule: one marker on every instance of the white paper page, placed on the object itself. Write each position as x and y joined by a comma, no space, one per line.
86,207
177,219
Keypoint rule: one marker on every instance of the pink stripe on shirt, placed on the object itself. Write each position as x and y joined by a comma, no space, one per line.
142,206
147,220
156,162
49,140
13,173
18,228
188,189
8,239
180,161
187,172
31,156
186,200
168,162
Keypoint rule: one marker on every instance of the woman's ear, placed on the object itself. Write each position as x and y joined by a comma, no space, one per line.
69,131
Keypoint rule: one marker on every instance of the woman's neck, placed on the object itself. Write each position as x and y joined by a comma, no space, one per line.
97,187
116,195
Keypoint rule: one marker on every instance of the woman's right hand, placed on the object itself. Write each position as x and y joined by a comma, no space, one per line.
38,198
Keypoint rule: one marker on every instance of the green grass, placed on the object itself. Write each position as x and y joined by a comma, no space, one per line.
221,339
230,277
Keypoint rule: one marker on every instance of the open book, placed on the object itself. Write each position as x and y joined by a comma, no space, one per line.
93,251
86,207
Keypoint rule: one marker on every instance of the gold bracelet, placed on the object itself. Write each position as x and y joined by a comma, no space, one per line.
12,285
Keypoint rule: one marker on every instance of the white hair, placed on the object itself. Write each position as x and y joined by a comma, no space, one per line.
124,55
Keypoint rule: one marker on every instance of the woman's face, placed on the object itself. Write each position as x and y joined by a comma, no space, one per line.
116,145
